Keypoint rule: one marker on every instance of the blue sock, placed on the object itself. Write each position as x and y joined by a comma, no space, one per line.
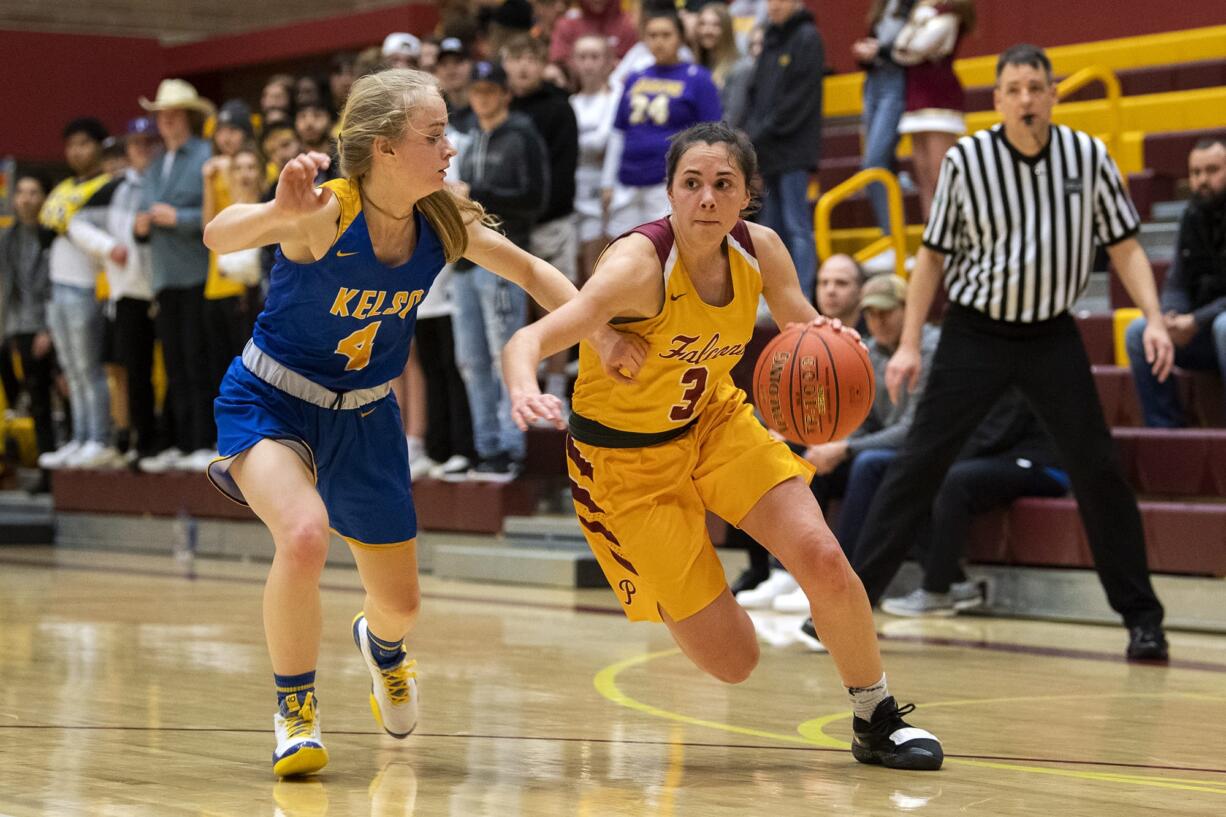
298,685
387,654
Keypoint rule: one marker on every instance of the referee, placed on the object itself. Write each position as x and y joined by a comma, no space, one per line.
1015,221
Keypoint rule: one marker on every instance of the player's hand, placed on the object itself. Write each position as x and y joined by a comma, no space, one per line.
1159,351
528,407
834,323
621,353
903,370
296,192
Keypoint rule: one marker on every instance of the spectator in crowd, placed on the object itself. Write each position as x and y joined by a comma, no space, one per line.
342,72
369,61
1009,456
74,314
114,162
453,71
312,91
658,102
277,95
935,99
401,50
129,278
506,170
554,237
280,143
993,251
449,430
506,20
1194,293
602,18
595,105
715,44
784,121
839,284
885,94
853,468
314,122
640,56
735,93
427,61
545,17
25,290
171,221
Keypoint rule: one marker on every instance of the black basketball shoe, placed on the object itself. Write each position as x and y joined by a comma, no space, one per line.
890,741
1147,643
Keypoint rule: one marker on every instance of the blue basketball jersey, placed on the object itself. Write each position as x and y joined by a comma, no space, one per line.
346,320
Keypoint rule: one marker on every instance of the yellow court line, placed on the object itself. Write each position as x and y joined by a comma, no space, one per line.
811,733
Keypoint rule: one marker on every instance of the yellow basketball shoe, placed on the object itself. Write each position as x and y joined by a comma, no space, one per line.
299,747
393,690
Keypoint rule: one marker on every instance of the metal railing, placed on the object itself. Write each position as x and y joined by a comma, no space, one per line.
1111,85
898,225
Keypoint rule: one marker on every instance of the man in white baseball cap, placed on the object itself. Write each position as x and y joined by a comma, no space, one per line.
401,50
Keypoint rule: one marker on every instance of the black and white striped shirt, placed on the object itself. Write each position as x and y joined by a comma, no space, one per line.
1019,233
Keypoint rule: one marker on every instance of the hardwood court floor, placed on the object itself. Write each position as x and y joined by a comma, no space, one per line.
128,690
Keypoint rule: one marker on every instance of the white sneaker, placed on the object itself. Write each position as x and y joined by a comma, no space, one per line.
197,461
778,583
794,602
393,692
94,454
969,594
161,462
455,469
56,458
299,747
421,467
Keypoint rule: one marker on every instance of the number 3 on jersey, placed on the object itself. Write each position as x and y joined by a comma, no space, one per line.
696,380
358,346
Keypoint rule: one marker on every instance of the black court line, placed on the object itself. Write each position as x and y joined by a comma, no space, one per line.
611,741
971,644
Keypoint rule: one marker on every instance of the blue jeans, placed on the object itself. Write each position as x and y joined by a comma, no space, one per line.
885,92
75,319
1160,401
786,210
867,471
488,310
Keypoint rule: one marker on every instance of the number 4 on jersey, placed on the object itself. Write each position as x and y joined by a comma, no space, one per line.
358,346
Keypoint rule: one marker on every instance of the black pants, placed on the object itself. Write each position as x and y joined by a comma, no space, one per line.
39,375
180,327
449,427
976,360
227,328
971,487
134,350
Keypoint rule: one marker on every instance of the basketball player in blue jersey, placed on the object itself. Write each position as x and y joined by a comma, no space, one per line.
649,455
309,434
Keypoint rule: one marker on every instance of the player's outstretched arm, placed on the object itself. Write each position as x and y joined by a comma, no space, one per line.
627,283
302,219
780,286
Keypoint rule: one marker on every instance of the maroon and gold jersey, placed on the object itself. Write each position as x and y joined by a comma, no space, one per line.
692,347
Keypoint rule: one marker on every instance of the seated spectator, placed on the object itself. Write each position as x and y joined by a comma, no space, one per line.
506,170
657,103
1194,293
129,277
25,289
595,105
1009,456
74,314
601,18
401,50
839,284
853,468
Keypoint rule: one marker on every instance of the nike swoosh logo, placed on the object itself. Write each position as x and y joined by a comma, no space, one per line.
675,297
366,413
344,254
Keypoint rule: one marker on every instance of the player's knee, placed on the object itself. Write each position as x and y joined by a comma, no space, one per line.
304,544
825,566
738,665
402,604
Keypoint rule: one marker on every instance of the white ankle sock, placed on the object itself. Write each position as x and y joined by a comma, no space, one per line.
864,700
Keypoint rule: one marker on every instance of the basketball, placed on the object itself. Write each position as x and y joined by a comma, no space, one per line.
814,385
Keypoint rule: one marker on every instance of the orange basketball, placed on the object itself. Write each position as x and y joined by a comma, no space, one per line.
814,385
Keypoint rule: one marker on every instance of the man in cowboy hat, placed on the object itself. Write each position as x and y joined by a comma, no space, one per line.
170,219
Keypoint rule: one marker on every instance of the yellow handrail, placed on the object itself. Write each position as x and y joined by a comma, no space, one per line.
898,225
1111,84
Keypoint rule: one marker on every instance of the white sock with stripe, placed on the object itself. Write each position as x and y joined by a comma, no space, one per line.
864,700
